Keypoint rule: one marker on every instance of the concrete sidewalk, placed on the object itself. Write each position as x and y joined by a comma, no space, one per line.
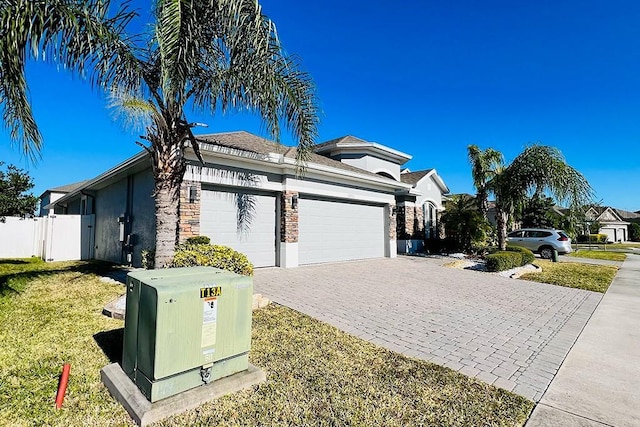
599,382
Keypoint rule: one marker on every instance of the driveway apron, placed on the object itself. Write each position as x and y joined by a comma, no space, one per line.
513,334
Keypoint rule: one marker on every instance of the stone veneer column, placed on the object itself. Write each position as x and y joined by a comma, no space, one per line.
418,226
189,215
288,218
409,218
393,225
391,248
288,230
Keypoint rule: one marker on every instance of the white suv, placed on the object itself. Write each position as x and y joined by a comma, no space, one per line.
541,240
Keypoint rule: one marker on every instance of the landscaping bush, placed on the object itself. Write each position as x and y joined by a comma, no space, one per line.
527,256
190,254
503,260
592,238
199,240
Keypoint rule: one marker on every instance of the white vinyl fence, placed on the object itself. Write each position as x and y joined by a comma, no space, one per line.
52,238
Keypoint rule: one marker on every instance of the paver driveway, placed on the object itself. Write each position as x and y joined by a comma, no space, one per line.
510,333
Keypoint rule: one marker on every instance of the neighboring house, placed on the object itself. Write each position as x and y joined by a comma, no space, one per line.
351,203
53,194
613,222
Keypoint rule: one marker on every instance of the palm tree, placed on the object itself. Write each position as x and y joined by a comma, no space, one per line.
484,166
463,223
207,55
537,169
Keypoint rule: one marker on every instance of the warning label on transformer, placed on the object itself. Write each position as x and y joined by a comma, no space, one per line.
209,322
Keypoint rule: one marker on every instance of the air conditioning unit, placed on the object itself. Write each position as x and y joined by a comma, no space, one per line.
185,327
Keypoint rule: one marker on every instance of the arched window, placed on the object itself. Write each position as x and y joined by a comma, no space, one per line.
430,220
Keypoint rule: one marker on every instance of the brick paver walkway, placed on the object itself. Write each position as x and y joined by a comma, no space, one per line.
510,333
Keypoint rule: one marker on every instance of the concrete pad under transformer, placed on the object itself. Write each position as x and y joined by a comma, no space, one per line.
144,412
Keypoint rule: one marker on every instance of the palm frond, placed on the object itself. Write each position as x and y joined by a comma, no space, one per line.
134,112
76,34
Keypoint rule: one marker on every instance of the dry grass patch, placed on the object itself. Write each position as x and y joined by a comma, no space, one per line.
590,277
316,374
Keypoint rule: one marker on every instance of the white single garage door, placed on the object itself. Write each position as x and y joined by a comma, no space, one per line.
610,232
219,211
338,231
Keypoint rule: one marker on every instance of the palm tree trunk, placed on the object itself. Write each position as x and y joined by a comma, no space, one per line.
167,208
501,219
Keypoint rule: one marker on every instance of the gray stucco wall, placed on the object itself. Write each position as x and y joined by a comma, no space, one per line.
143,213
73,208
111,203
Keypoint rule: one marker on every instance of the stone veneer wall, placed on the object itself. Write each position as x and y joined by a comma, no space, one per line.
288,218
393,232
410,223
189,217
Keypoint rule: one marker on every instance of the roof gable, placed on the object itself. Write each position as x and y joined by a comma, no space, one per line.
349,144
414,178
602,214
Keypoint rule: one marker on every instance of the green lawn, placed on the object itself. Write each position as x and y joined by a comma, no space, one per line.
606,255
574,275
50,314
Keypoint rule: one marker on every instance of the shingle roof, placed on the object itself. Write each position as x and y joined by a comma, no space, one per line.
627,214
245,141
68,188
414,177
347,139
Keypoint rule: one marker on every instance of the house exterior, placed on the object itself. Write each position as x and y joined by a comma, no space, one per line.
613,222
51,195
353,202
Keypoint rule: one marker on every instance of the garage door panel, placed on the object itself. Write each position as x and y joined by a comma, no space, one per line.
338,231
255,236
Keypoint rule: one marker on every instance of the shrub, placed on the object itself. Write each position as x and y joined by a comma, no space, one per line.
190,254
527,256
199,240
503,260
593,238
148,259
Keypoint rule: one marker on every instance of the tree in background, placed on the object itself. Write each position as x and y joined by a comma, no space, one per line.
14,199
207,55
484,167
538,169
634,232
538,212
464,224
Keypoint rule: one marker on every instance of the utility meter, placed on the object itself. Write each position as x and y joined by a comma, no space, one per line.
185,327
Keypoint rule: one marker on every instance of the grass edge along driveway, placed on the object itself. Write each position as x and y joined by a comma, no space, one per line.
590,277
316,374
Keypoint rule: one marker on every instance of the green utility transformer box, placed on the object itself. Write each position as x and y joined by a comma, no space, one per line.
185,327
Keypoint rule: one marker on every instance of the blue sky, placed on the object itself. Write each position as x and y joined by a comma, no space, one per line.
424,77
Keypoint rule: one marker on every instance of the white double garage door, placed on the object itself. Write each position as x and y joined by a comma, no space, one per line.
328,230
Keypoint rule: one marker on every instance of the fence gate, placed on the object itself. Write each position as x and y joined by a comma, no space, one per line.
69,237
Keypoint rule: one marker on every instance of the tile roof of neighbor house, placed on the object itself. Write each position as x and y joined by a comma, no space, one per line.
414,177
245,141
